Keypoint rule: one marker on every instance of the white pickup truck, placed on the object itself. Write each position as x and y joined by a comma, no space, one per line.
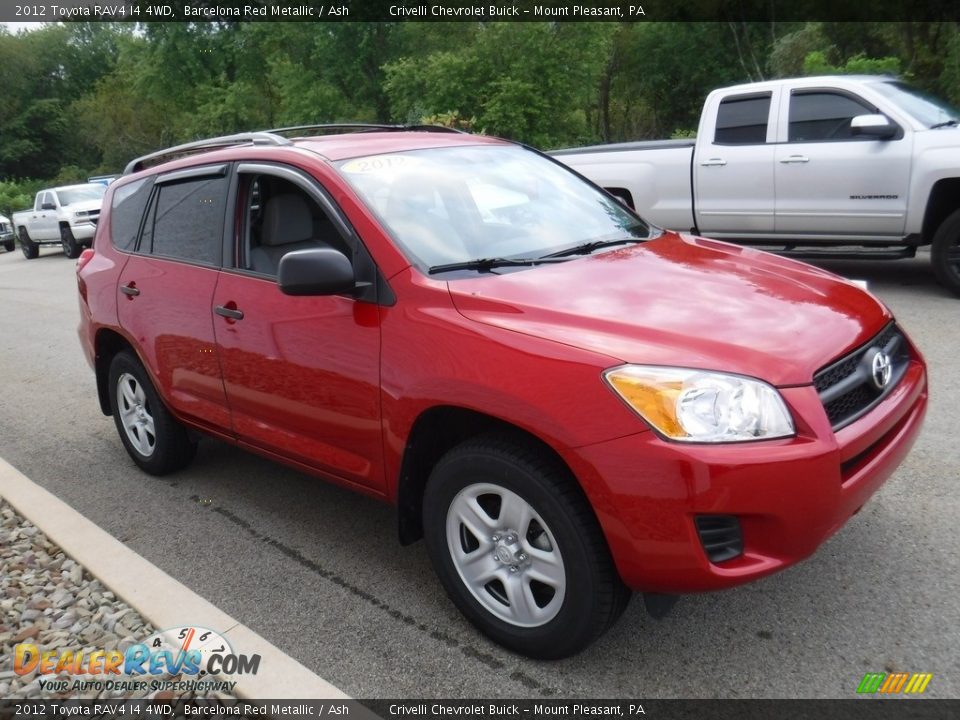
862,165
65,216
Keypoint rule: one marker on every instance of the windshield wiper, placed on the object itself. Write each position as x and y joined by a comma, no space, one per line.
589,247
484,264
946,123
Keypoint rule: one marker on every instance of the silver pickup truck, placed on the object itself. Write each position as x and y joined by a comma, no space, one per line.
836,166
65,216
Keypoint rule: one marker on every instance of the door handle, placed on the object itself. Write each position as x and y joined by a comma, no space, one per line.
795,159
131,290
227,312
714,162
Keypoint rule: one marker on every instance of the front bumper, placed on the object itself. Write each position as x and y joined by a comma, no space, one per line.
83,229
789,495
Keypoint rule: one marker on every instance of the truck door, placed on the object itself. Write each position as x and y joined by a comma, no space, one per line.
831,182
45,226
733,169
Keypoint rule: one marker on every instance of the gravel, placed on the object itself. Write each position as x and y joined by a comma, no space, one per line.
49,600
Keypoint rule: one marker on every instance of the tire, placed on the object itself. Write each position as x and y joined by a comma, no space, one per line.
152,436
518,548
945,253
71,248
28,247
10,245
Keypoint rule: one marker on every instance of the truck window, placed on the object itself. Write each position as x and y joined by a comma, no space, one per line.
743,120
185,221
824,116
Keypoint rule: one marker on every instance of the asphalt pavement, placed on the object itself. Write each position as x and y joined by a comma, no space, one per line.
318,571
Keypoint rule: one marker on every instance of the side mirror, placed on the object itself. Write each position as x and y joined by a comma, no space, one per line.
876,126
317,271
48,206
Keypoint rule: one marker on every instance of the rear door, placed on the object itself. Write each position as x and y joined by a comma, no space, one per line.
166,292
45,225
733,169
831,182
302,374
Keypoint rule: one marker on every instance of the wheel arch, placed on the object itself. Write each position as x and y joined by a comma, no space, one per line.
437,430
106,346
942,202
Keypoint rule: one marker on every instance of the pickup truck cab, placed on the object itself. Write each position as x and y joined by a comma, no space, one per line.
863,163
65,216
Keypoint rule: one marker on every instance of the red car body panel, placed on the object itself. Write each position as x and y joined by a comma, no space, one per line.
685,301
302,376
335,386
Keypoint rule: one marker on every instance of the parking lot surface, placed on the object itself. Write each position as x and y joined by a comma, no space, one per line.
318,570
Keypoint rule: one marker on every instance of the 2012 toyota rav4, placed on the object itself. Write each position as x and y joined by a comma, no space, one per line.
564,401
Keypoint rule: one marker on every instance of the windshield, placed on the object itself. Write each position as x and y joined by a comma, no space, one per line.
926,108
457,204
69,196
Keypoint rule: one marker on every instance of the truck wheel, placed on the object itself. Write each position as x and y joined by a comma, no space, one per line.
9,245
29,248
518,549
71,248
945,253
152,436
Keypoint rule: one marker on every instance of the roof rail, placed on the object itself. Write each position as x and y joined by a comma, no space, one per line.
269,137
192,148
363,127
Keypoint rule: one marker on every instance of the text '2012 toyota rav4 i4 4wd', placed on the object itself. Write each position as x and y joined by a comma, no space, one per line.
565,402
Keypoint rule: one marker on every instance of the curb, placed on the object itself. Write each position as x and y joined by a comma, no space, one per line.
159,598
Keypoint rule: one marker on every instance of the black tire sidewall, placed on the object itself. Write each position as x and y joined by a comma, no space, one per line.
27,246
947,236
573,627
167,451
69,243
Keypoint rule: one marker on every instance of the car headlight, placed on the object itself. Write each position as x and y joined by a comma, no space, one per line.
699,406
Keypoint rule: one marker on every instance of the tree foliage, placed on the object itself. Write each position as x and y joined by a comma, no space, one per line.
85,98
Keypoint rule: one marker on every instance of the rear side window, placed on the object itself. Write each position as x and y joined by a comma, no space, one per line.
185,221
824,116
743,120
126,212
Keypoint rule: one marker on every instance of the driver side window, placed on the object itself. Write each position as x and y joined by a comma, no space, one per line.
824,116
280,217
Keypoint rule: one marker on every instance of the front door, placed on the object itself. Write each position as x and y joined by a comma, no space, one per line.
302,374
831,182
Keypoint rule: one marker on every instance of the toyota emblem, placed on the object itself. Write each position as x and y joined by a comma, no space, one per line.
880,370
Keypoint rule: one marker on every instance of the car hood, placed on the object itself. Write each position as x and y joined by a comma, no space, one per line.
684,301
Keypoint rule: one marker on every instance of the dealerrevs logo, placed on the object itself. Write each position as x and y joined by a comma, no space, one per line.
188,653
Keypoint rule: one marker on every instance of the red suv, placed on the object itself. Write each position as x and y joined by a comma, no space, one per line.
565,402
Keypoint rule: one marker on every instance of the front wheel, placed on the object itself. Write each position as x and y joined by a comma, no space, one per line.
9,245
71,248
28,247
152,436
945,253
518,549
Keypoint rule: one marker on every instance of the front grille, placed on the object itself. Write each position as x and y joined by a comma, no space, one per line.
720,536
847,388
